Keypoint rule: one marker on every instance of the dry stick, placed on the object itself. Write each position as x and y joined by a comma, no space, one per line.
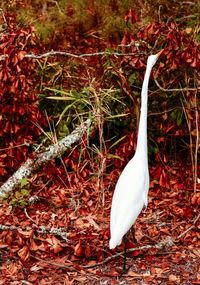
27,215
70,268
53,53
50,153
191,227
163,243
39,229
197,144
175,89
67,54
190,136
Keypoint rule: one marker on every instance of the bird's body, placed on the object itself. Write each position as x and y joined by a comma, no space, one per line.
131,191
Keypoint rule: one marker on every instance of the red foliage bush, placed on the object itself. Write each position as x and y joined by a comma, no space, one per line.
177,69
19,103
179,46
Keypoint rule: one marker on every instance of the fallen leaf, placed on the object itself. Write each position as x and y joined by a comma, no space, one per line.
24,253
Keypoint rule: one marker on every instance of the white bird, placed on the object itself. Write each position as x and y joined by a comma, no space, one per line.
131,191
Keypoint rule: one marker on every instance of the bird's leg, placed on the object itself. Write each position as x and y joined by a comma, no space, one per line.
124,264
133,234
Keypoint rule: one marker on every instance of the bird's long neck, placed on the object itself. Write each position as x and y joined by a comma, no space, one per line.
142,131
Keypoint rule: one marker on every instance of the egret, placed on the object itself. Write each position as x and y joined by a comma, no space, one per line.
131,191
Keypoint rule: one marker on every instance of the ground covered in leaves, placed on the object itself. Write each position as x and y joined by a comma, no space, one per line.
61,237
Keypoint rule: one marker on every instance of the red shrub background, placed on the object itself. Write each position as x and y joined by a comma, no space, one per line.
19,103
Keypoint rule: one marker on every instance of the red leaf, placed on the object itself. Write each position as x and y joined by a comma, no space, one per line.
26,234
24,253
21,54
131,16
78,250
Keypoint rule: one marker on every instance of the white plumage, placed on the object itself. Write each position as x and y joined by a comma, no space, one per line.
131,192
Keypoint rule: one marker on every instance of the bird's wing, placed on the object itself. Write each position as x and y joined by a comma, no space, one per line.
128,198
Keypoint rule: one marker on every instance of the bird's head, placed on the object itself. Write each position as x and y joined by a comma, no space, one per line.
153,58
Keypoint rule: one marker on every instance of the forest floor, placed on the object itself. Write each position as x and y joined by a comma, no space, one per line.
167,252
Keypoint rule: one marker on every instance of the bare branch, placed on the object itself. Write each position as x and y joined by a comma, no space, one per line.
175,89
53,53
67,54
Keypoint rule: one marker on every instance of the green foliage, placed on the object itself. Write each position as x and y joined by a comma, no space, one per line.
178,115
24,182
26,17
76,105
20,197
132,78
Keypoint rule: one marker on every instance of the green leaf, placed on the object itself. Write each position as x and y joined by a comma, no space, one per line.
132,78
179,118
23,182
109,155
118,141
24,192
64,98
117,116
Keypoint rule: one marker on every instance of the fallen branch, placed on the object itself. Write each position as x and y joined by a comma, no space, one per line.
50,153
163,243
168,242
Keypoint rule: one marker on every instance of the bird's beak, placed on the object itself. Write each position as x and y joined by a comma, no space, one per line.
160,52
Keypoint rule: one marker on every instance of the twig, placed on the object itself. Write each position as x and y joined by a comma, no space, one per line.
166,242
163,112
39,229
196,143
27,215
71,268
190,135
163,243
191,227
189,16
15,146
175,89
